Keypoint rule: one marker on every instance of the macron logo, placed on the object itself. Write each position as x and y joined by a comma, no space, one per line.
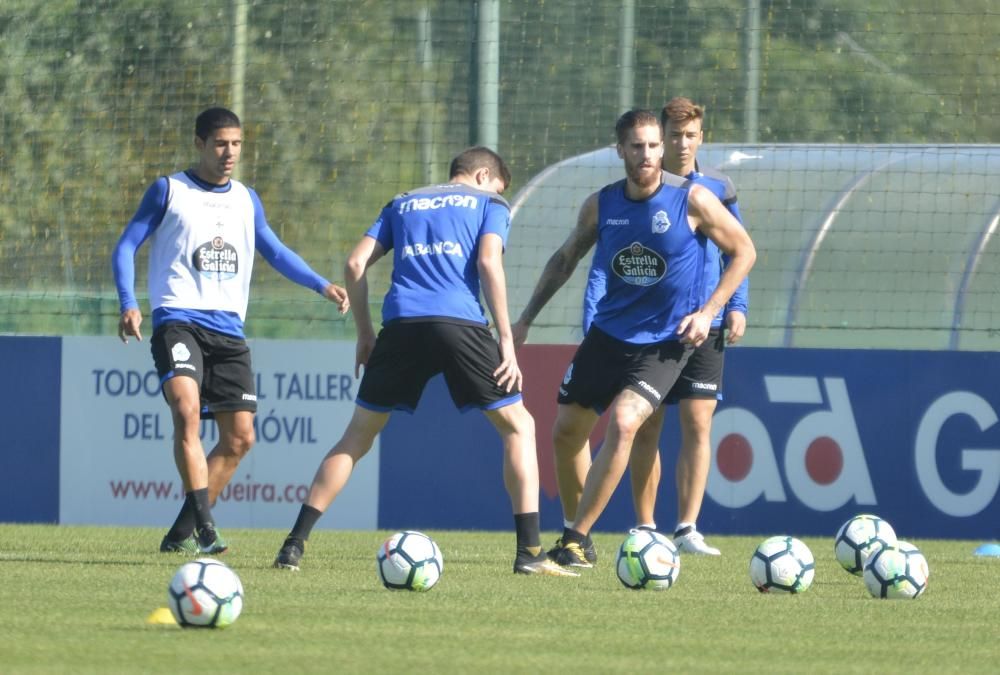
430,203
648,387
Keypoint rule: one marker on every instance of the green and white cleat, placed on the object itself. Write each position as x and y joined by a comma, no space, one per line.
210,542
185,547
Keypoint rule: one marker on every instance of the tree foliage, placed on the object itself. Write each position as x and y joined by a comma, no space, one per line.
98,99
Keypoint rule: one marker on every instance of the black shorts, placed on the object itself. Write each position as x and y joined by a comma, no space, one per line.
702,375
604,366
408,354
220,364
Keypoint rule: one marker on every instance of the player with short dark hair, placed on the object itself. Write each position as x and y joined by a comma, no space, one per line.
651,231
203,227
211,120
447,244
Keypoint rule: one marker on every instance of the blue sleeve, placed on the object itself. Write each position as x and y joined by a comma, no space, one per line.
146,219
381,229
496,220
596,288
280,257
740,302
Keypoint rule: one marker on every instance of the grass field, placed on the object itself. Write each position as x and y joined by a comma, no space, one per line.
75,600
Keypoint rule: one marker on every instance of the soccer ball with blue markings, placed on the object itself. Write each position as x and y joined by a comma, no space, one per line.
859,538
205,593
897,572
647,559
782,565
409,561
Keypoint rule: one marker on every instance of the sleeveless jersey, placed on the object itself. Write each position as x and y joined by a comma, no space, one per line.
434,235
722,187
201,254
652,261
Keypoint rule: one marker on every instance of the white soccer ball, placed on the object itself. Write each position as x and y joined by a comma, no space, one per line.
647,559
782,565
205,593
897,572
409,561
860,537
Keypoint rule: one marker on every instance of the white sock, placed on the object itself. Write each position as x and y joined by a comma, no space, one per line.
647,526
567,523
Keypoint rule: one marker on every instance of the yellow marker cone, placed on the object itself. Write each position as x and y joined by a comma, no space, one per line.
161,616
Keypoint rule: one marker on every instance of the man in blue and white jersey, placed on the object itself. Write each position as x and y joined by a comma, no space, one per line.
699,387
447,245
651,231
203,227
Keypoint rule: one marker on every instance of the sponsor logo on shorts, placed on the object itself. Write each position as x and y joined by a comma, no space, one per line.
707,386
184,366
645,385
180,352
250,397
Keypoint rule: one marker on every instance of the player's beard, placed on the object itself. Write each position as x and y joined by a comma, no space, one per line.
644,177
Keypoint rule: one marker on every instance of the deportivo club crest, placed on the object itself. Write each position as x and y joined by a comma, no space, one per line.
661,223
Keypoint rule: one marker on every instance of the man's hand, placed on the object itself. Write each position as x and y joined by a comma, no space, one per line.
129,324
736,326
335,293
694,327
508,373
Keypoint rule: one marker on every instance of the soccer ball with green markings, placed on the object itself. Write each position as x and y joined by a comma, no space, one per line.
896,572
205,593
860,537
409,561
782,565
647,559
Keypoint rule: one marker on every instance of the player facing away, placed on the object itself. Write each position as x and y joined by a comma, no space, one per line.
447,241
203,227
651,230
699,387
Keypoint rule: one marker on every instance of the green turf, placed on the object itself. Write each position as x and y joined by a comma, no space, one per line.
75,600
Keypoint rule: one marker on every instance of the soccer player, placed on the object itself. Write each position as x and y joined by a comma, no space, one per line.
447,241
699,387
203,227
651,231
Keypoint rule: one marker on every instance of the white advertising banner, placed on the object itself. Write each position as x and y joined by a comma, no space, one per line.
116,459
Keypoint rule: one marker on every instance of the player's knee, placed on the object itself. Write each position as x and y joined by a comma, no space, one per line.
525,423
186,414
563,434
696,425
625,425
513,419
242,441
